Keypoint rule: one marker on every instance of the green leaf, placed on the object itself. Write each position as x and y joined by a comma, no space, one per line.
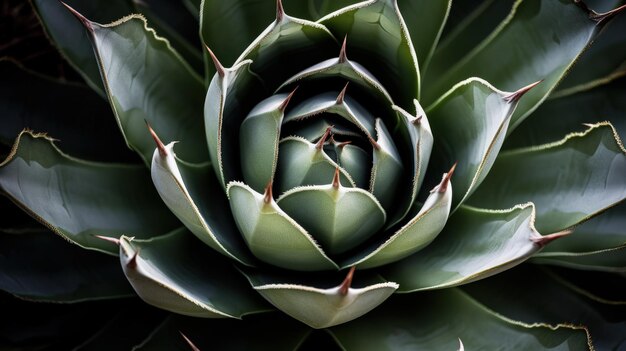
272,235
85,127
443,319
256,332
314,9
387,168
531,25
37,265
171,94
559,115
377,35
569,181
424,21
322,307
259,136
175,272
469,124
416,234
545,299
339,218
607,260
475,244
70,36
193,194
78,199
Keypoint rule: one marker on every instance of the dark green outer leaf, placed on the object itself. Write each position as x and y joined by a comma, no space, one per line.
569,181
85,127
37,265
438,320
78,199
314,9
147,81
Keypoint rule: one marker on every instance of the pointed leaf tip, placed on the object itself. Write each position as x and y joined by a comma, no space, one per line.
374,143
417,120
159,143
322,141
280,11
347,282
193,347
602,18
343,57
461,347
268,196
218,65
517,95
336,178
443,186
80,17
284,104
115,241
342,94
546,239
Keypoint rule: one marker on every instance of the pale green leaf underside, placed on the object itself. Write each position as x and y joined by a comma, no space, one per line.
438,320
78,199
177,273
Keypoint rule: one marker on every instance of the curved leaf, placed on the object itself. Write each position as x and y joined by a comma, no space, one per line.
438,320
569,181
475,244
78,199
314,9
322,307
607,260
378,39
176,273
36,265
170,96
193,194
387,168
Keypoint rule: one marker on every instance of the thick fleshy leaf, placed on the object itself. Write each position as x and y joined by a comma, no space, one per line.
259,136
545,299
271,234
469,125
438,320
86,128
555,46
194,195
561,115
177,273
339,218
131,55
70,36
416,234
322,307
302,163
475,244
37,265
78,199
256,332
387,168
377,35
314,9
356,162
424,21
569,181
607,260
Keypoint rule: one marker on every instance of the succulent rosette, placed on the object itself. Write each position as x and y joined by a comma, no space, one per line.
323,164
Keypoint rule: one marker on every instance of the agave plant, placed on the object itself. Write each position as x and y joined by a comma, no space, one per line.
336,165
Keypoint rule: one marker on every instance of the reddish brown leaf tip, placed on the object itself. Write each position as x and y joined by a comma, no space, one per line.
602,18
443,186
343,143
218,65
284,104
417,120
193,347
132,263
115,241
375,144
342,94
343,57
546,239
347,282
280,11
336,179
268,196
322,141
516,96
159,143
81,18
